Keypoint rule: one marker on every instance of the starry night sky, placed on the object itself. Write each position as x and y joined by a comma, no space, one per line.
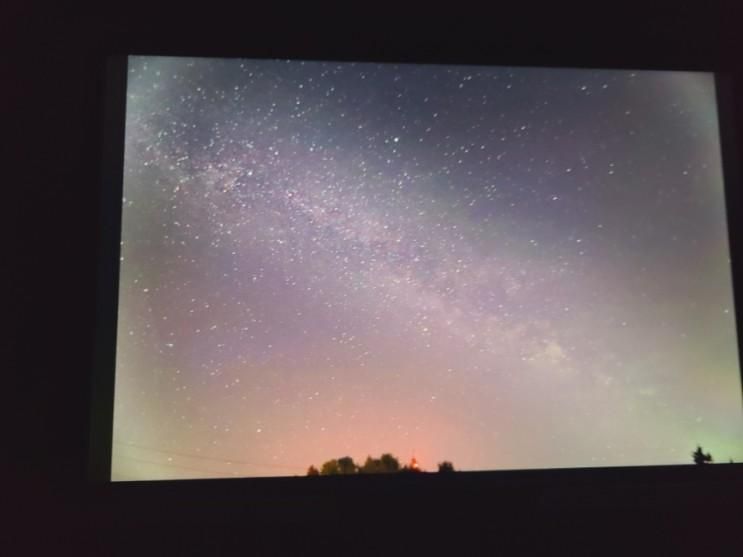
501,267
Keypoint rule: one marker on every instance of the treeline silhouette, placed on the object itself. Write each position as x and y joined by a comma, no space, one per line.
389,464
385,464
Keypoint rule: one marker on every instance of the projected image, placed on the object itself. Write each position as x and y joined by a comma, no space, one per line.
459,268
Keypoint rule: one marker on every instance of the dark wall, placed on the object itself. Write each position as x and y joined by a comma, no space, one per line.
54,94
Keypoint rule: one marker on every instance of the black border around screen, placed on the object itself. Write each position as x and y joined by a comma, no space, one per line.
545,487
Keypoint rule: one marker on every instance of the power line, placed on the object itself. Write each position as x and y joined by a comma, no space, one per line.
211,458
169,465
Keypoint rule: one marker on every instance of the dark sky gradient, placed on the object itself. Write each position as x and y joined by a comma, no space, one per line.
502,267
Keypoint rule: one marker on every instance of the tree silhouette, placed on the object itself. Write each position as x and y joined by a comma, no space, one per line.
389,463
371,466
337,466
330,468
446,467
700,457
346,465
385,464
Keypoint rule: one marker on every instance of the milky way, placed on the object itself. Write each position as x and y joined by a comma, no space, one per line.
501,267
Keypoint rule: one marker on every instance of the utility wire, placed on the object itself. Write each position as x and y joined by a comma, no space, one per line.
204,457
170,465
